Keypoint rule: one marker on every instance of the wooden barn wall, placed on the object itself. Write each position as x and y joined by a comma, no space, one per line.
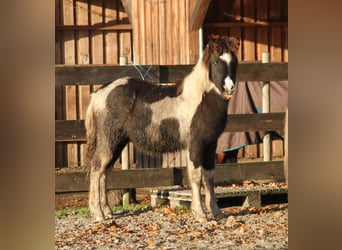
261,24
92,32
162,32
87,32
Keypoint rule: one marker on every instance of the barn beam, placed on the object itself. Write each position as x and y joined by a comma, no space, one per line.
127,4
198,15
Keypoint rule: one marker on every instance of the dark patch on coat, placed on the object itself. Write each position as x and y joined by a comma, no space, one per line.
207,125
129,111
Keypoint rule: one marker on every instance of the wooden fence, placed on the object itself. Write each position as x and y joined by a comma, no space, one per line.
72,131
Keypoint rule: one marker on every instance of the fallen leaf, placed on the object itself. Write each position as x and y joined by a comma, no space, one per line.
169,210
196,234
151,243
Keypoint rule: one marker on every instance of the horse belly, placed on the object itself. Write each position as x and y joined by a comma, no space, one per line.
158,138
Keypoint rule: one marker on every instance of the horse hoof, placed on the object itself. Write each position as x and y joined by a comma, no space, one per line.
99,218
109,216
202,219
219,216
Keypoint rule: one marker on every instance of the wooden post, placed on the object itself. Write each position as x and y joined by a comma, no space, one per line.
125,153
125,165
266,109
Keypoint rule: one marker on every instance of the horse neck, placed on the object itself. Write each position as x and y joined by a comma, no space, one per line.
197,82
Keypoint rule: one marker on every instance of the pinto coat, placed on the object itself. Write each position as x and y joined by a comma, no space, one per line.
159,119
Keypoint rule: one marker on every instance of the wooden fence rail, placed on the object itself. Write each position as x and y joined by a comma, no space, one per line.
157,177
90,75
74,130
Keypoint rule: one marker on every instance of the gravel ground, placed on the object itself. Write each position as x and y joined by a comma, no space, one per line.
164,228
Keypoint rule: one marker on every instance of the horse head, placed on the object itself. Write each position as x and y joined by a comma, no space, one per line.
220,57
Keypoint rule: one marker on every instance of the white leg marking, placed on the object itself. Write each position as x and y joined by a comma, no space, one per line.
195,177
103,197
94,195
210,199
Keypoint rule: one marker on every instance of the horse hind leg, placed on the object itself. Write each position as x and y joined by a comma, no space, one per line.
107,211
97,186
112,157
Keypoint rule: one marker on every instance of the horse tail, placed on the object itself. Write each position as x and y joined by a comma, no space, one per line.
90,126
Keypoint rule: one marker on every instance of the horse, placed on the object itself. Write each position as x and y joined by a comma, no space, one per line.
158,119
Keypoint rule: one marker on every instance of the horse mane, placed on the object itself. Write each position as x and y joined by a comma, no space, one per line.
215,46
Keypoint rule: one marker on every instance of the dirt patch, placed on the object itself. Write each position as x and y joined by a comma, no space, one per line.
80,199
165,228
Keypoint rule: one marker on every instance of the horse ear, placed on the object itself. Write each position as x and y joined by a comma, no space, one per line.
206,55
234,44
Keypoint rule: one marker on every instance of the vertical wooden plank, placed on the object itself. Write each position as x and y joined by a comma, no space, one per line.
240,153
148,33
277,148
131,153
175,32
68,37
193,37
154,8
237,32
71,114
261,150
82,57
83,102
69,58
284,17
83,36
182,34
252,151
275,15
187,32
193,47
111,37
285,45
96,17
125,36
136,31
168,33
248,32
142,36
162,32
262,32
223,7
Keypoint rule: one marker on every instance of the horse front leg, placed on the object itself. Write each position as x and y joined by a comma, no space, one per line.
195,178
210,199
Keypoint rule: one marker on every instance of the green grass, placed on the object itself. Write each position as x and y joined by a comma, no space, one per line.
86,212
